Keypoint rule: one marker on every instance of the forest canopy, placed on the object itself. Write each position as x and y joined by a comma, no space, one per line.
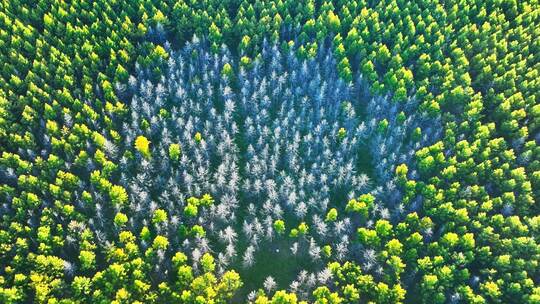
291,151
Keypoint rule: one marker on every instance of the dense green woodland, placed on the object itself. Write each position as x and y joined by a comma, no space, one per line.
291,151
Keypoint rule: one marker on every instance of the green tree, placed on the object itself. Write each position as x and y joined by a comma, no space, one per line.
120,219
159,216
332,214
142,144
279,226
174,152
